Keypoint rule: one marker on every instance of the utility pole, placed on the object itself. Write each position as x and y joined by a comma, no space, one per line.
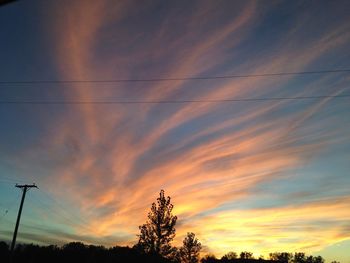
25,188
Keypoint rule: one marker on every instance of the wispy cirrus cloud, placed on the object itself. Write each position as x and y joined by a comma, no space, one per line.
112,160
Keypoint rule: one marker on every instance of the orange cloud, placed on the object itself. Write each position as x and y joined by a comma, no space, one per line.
116,158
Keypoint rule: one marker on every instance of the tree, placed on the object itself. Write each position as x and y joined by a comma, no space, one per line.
159,230
229,256
189,252
210,258
318,259
284,257
309,259
299,257
246,255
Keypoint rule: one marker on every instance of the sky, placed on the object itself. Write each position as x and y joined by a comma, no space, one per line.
261,176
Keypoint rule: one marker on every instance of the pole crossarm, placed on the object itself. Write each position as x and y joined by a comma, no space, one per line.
26,186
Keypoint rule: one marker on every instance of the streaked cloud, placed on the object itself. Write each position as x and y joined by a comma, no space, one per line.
211,158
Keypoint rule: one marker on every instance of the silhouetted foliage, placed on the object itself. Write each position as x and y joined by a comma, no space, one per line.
159,230
189,252
298,257
210,258
76,252
283,257
229,256
246,255
79,252
312,259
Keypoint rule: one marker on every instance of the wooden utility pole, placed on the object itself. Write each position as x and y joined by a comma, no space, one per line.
25,188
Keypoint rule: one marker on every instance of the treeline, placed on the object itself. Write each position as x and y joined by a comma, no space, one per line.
154,245
281,257
79,252
75,252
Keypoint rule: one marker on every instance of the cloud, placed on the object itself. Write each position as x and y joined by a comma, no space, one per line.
110,161
289,228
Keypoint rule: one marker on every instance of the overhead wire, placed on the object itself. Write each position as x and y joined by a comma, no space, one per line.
181,101
330,71
10,180
67,218
70,102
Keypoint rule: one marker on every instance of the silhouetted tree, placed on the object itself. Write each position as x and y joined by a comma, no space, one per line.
159,230
309,259
317,259
210,258
189,252
284,257
175,256
229,256
246,255
299,257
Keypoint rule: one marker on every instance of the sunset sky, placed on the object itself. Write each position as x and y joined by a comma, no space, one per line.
261,176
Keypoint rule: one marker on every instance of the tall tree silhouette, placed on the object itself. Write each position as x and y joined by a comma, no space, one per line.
189,252
159,230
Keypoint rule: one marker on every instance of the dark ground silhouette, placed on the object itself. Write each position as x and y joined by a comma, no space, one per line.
75,252
79,252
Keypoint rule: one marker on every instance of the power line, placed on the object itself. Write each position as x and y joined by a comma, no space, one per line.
11,180
62,212
69,102
178,78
